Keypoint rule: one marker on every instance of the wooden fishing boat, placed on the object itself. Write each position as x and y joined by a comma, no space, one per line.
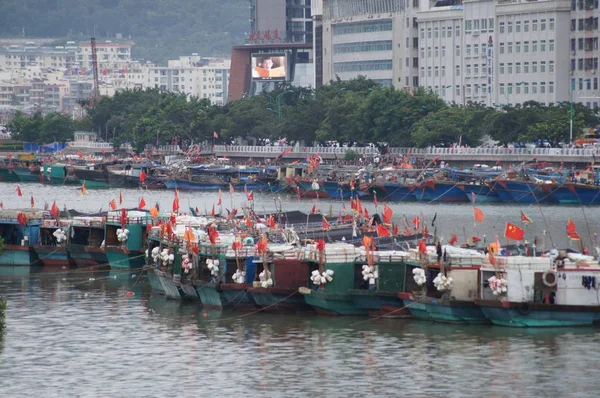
85,242
19,235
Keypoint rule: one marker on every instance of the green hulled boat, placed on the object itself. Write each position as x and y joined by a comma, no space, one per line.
126,237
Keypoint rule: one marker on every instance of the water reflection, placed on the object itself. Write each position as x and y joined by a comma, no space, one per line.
90,337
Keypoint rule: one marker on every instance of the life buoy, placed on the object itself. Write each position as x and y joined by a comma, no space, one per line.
524,308
549,278
249,241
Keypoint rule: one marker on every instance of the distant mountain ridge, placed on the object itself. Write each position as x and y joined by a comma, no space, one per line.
161,29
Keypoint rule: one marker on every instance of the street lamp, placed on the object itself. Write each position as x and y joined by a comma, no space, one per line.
571,112
278,99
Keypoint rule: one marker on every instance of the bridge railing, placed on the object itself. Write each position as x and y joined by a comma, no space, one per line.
431,151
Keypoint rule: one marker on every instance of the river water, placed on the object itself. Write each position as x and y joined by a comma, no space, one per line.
83,335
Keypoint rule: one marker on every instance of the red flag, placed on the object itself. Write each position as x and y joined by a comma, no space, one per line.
220,201
1,205
453,240
250,196
215,134
54,212
326,224
417,222
123,217
197,211
120,198
366,212
32,201
387,214
142,176
175,205
313,210
396,230
142,204
571,230
478,214
422,246
104,72
19,192
382,231
231,190
525,219
285,152
513,232
271,222
212,212
213,235
113,204
83,188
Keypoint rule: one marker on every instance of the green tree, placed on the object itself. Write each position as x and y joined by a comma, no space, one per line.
554,126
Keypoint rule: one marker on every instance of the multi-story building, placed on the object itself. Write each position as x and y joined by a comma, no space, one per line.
194,76
287,21
583,52
483,51
372,38
110,55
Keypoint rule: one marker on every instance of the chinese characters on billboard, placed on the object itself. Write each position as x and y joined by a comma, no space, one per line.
269,66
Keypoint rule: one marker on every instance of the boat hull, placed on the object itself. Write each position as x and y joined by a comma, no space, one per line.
123,258
223,295
154,280
18,260
279,300
85,256
332,303
54,257
417,309
382,304
538,315
452,311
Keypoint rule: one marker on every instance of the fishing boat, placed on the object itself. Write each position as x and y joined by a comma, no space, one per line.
481,191
20,231
94,175
29,172
281,276
378,277
574,193
439,191
125,238
59,174
51,248
218,263
540,292
446,290
85,242
332,276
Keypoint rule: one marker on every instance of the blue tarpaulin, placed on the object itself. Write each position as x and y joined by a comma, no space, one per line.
43,148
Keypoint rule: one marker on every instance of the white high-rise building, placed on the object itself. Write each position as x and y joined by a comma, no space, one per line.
493,52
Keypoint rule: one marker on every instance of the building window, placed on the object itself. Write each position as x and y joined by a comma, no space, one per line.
468,50
542,66
491,24
365,46
510,68
518,47
502,88
443,71
422,71
362,27
468,26
525,67
457,91
588,83
429,33
501,48
526,89
476,69
534,25
457,70
525,46
509,26
476,49
443,51
534,89
551,87
436,52
501,69
422,52
543,45
484,25
458,51
534,46
551,45
436,72
436,33
551,24
510,47
422,33
449,31
468,70
551,66
518,27
429,71
428,52
457,31
595,83
360,66
518,67
501,25
525,26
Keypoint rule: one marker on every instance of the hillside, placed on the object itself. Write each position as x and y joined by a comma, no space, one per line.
161,29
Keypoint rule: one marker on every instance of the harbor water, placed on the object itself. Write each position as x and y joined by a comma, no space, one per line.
104,334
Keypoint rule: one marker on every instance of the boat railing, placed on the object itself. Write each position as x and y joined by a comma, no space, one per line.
130,220
90,144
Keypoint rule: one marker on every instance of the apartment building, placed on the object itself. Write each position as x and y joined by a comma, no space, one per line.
193,76
110,55
483,51
377,39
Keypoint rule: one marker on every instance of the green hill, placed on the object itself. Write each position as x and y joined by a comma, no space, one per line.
160,29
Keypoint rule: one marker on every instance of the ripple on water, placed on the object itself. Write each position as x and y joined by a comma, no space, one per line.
92,340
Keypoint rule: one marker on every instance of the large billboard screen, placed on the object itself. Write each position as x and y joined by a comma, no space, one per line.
269,67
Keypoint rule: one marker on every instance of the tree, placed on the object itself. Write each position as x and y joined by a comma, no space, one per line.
554,126
450,125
